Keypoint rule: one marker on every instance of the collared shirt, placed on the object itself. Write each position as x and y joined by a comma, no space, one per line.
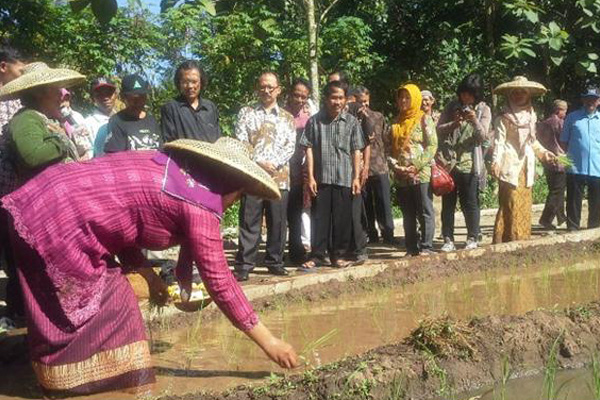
273,136
297,162
548,134
180,121
581,132
376,126
333,144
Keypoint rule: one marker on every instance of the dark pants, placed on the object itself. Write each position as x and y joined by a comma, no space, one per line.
14,294
331,218
359,241
555,202
378,206
416,202
575,187
251,216
294,218
467,192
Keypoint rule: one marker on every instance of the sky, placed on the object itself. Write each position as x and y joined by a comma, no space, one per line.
153,5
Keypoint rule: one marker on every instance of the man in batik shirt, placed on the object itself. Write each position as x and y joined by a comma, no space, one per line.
271,131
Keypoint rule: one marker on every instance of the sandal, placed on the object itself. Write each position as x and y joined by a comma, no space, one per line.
341,263
309,266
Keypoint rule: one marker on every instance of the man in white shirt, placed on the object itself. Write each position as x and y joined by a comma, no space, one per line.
104,94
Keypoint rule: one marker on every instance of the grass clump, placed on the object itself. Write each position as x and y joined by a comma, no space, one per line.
442,337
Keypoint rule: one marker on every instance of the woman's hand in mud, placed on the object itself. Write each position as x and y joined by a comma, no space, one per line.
159,293
282,353
279,351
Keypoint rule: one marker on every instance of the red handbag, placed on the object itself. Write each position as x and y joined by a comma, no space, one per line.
441,181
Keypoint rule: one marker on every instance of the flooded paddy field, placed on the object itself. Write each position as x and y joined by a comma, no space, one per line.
412,334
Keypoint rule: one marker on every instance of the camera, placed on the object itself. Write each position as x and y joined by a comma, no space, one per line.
466,109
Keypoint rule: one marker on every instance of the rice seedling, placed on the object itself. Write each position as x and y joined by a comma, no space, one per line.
564,161
504,378
594,384
550,390
445,389
396,390
315,345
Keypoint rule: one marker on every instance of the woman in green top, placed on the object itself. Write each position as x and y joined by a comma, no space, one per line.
412,142
36,138
463,132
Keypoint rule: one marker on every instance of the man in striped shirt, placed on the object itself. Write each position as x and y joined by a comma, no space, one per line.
333,140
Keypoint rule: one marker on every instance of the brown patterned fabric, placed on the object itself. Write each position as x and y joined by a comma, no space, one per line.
513,221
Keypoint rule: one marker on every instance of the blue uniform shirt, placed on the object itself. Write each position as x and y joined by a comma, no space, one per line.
581,132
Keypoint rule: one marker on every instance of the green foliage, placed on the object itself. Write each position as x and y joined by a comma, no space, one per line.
62,38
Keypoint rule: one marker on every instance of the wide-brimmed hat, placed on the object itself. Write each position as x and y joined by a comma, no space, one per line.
232,160
39,74
521,82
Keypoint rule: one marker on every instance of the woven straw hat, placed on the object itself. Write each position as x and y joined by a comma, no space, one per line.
231,159
39,74
521,82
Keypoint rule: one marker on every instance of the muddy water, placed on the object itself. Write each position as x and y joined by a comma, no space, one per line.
575,385
215,356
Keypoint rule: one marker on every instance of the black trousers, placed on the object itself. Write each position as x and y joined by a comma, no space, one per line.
416,202
467,192
378,206
294,218
14,294
359,240
555,201
331,218
576,185
251,215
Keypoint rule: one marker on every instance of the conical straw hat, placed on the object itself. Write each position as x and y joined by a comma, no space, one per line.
39,74
231,159
521,82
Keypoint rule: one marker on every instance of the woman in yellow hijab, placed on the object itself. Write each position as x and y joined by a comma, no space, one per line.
412,143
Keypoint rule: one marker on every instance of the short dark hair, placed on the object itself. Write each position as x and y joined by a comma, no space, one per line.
9,55
186,66
331,86
343,76
360,90
472,83
264,73
303,82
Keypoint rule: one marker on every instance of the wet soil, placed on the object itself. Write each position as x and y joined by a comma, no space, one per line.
472,356
206,353
419,269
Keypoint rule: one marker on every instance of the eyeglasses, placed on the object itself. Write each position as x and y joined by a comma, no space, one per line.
267,89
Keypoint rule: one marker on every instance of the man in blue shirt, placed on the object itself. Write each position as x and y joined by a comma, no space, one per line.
581,138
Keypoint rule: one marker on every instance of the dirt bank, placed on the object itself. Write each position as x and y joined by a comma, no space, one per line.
442,357
418,269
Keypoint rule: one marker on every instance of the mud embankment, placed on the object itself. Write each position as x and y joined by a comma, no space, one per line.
419,269
442,357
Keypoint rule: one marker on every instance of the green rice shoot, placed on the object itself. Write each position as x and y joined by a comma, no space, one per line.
318,343
564,161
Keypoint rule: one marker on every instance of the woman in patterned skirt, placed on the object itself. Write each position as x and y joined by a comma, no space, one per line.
86,332
513,161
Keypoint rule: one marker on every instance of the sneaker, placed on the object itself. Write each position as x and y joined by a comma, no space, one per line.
471,244
448,245
426,252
